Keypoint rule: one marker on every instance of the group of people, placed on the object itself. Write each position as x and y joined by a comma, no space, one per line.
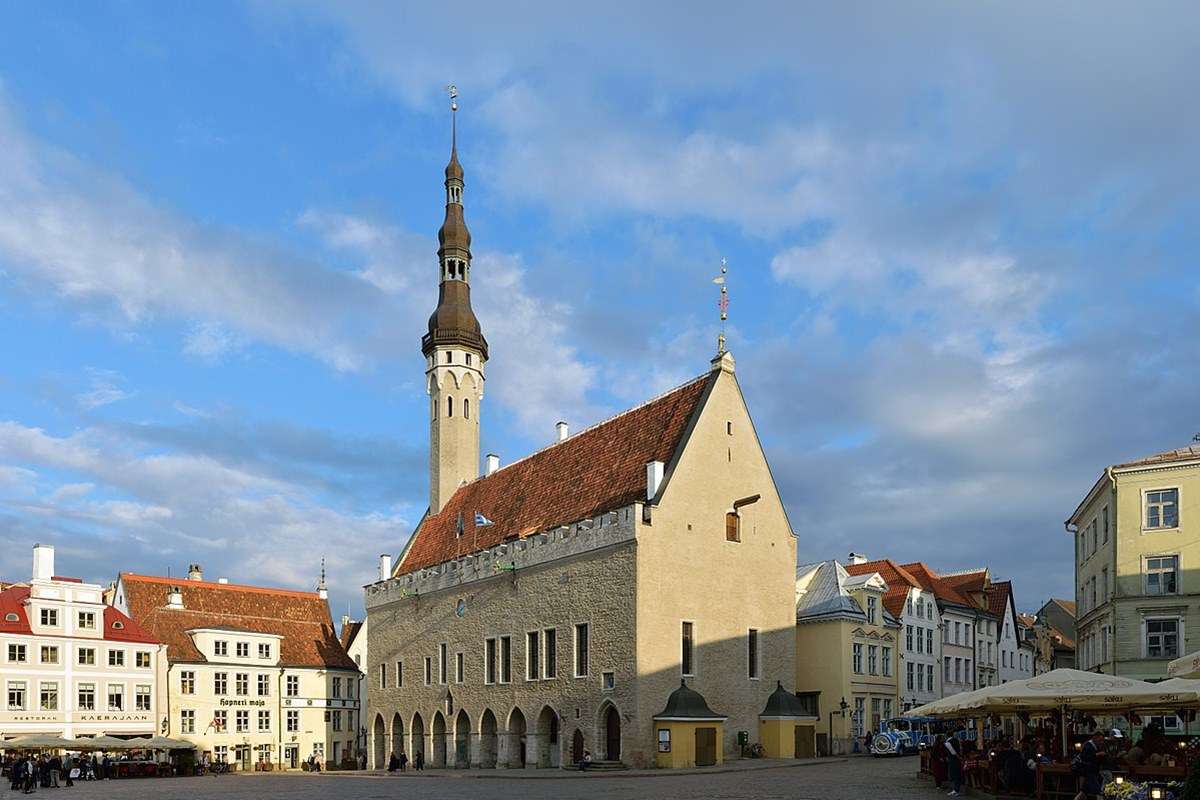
26,773
400,763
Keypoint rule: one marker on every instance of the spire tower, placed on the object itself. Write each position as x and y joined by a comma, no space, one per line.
454,348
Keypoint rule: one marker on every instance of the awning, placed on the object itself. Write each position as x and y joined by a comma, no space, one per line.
1186,667
163,743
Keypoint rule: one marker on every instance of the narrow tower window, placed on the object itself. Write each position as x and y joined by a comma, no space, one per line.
449,406
466,409
449,357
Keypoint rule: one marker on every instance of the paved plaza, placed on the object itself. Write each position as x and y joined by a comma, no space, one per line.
853,779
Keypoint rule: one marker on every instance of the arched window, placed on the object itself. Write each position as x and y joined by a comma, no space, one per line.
466,409
449,406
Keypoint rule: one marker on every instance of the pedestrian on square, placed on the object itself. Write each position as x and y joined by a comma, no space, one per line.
1089,763
68,764
403,761
585,761
55,769
393,763
937,761
419,761
953,749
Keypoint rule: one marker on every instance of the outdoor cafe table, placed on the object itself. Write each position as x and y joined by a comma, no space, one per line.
136,769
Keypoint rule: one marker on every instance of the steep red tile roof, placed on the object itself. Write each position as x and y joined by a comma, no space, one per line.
998,593
972,581
598,469
899,581
301,618
931,581
117,626
1028,620
349,632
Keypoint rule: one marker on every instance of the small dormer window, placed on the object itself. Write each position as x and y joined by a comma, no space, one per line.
11,617
118,625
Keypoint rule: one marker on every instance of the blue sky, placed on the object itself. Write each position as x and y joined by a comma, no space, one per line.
961,240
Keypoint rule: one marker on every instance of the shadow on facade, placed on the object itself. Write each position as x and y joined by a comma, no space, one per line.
549,723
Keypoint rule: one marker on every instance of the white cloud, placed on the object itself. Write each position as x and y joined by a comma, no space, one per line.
103,390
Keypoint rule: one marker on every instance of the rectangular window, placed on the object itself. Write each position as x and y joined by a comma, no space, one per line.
920,641
241,720
428,670
533,656
399,673
608,681
243,649
187,682
1161,574
1104,585
460,667
49,697
141,697
264,685
957,670
142,659
337,688
221,720
909,671
1162,508
946,669
887,662
581,650
264,721
220,683
733,527
16,695
337,722
383,676
908,638
443,663
86,657
929,640
856,653
293,685
116,658
752,665
872,609
505,659
687,645
1162,638
1104,514
929,672
87,697
293,721
873,659
49,617
49,654
550,640
887,708
264,650
876,720
221,648
116,697
489,661
87,620
187,720
860,711
241,683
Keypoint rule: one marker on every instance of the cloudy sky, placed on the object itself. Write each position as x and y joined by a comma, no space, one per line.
961,239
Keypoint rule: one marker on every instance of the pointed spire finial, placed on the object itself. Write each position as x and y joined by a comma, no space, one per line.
722,304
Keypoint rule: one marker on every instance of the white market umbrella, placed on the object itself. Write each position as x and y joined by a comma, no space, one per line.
163,743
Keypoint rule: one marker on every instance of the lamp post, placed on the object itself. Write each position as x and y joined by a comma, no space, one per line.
841,710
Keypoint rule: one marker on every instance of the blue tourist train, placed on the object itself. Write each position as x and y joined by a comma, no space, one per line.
902,736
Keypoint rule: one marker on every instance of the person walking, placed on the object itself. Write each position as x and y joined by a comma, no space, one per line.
954,765
419,761
403,761
393,763
68,764
1088,767
55,769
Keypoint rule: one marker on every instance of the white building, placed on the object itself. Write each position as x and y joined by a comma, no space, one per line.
73,666
353,636
254,676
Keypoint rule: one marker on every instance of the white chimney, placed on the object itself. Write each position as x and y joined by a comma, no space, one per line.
385,567
175,597
563,432
654,476
195,573
345,620
222,580
493,463
43,562
857,558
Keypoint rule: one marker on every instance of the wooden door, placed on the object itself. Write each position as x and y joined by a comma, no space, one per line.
577,747
612,724
805,742
706,747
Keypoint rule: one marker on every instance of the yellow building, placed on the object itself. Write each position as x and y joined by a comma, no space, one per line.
1136,561
255,677
846,652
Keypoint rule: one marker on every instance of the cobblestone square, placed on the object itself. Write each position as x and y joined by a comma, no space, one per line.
853,779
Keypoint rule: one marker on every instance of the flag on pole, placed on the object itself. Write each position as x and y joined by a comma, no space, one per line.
481,521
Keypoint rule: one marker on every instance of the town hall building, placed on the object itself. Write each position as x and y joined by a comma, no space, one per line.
628,591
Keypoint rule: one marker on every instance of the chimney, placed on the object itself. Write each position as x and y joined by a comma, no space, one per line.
195,573
222,580
654,476
563,432
175,597
493,463
345,621
43,562
385,567
857,558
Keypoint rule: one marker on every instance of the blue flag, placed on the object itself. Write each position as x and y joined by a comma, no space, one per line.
481,521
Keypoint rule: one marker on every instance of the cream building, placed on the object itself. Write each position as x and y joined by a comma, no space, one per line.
253,676
353,636
556,604
1135,534
846,651
69,664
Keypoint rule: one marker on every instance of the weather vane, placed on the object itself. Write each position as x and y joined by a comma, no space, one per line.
722,304
452,90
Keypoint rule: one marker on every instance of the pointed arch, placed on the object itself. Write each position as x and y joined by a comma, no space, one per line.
608,731
487,739
417,736
379,742
549,748
437,732
397,738
462,739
